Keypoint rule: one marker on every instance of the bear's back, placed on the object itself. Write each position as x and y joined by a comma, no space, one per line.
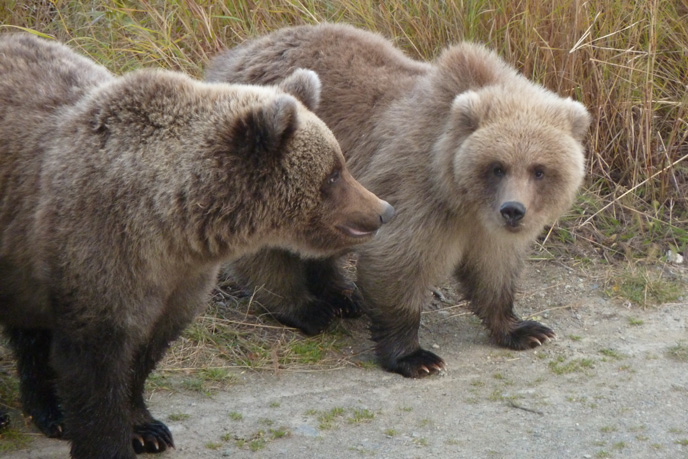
362,73
40,75
37,79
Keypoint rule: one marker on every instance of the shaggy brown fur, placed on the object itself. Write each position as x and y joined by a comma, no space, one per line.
119,200
475,158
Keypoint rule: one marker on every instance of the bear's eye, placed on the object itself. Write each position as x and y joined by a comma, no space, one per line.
498,170
539,174
334,177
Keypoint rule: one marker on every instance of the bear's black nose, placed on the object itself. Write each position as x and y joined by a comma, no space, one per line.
512,211
387,212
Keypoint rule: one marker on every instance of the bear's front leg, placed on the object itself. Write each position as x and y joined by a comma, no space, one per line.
393,296
490,283
149,435
93,368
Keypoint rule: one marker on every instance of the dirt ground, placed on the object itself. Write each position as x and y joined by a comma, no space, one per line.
613,384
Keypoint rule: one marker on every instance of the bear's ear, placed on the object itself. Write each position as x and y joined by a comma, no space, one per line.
263,130
579,118
305,86
468,111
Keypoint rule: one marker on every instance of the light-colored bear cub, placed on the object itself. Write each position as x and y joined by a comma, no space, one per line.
475,158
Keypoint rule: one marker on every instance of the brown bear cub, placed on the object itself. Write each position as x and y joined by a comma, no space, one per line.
120,198
475,159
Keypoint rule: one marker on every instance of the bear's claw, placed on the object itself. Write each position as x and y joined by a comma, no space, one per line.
49,421
526,334
153,437
418,364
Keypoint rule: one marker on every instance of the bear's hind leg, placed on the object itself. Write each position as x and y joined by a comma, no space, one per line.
490,290
286,286
332,290
37,379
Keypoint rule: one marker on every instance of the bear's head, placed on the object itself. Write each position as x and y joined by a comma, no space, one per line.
236,163
515,155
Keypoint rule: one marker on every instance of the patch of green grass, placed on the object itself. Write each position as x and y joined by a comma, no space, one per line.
13,440
326,419
259,439
226,437
644,288
367,364
612,354
216,375
608,429
406,409
560,366
266,421
678,352
360,415
195,385
635,322
307,351
279,433
213,445
176,417
391,432
257,444
602,454
274,404
575,337
236,416
682,442
421,441
157,380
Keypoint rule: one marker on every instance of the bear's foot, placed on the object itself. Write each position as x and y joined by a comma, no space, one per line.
345,303
45,414
151,437
526,334
50,422
312,319
418,364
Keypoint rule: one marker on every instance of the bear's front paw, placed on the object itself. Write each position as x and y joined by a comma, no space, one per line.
152,437
418,364
526,334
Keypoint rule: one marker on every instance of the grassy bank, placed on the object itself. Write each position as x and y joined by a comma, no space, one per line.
628,63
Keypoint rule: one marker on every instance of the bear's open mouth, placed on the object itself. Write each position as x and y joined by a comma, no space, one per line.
355,232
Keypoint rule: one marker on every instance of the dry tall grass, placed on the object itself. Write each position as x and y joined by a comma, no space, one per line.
626,61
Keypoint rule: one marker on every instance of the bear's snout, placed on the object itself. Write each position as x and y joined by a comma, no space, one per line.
387,212
513,212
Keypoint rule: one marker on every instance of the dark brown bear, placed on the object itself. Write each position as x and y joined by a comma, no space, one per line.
474,157
119,200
